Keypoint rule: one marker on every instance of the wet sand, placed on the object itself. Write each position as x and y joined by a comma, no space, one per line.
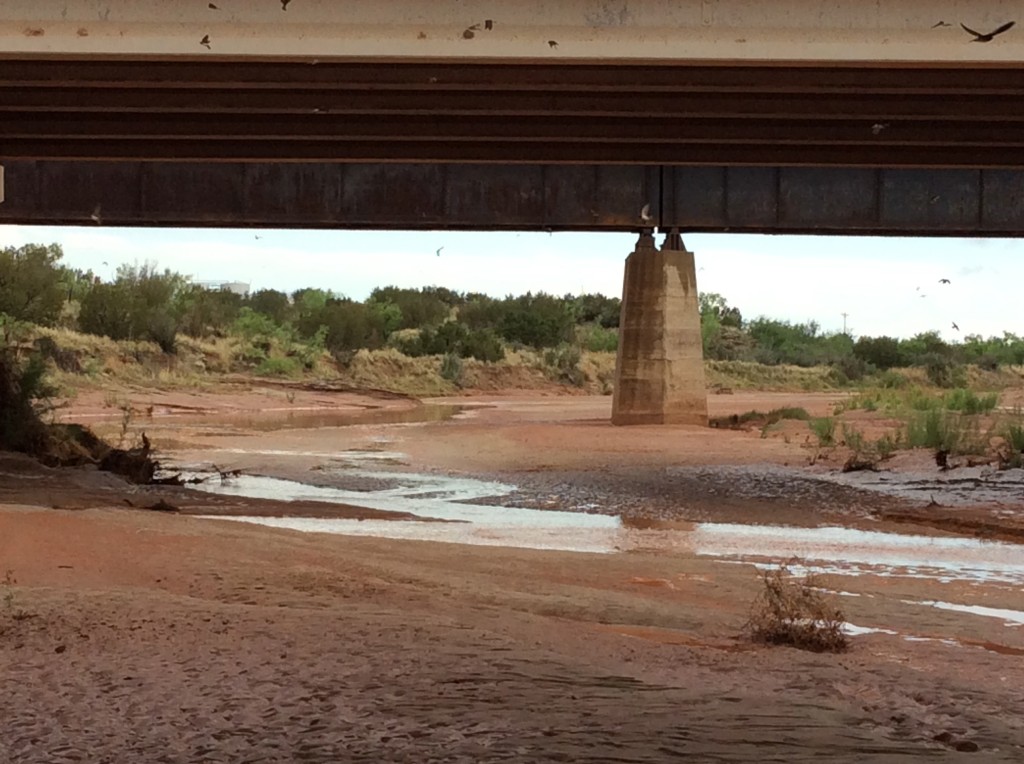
169,637
163,638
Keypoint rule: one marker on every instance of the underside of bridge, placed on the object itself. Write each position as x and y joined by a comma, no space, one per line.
799,116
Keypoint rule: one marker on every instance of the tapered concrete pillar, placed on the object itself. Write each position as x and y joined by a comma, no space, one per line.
659,373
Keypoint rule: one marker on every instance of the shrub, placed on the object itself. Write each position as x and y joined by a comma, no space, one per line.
251,325
893,380
564,363
795,612
968,402
850,369
1013,433
942,371
279,367
451,368
599,340
24,394
483,345
825,430
881,352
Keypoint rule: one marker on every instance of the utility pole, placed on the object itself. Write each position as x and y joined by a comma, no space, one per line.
845,316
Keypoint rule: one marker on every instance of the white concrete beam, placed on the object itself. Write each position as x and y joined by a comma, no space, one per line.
906,31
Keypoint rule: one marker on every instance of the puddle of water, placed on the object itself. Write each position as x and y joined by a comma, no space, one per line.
852,630
847,551
1009,617
829,550
353,456
437,497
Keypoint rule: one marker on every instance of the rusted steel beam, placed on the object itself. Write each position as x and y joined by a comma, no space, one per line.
437,76
536,151
414,197
520,197
184,127
874,107
845,201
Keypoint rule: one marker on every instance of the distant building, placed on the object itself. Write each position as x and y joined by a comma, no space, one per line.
235,287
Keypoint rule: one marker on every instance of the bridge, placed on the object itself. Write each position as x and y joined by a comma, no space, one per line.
796,116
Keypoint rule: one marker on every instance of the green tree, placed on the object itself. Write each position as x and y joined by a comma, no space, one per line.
418,308
713,305
271,303
30,283
139,304
204,312
881,352
538,320
598,309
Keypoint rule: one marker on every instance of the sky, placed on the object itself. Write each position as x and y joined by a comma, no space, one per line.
884,285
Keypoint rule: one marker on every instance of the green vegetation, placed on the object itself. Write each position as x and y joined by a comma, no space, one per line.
153,324
824,428
727,336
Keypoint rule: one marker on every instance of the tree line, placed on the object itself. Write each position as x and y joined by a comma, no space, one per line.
143,302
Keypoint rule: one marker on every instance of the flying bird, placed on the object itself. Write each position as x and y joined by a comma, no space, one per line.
979,37
645,214
878,127
212,7
552,44
957,328
938,24
439,251
96,215
488,24
205,42
943,281
284,4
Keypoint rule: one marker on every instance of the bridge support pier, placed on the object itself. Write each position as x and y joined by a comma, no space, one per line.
659,373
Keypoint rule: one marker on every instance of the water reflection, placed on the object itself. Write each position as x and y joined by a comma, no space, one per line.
828,549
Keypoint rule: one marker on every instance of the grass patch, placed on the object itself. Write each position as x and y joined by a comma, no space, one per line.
747,375
967,402
279,367
943,431
794,611
824,429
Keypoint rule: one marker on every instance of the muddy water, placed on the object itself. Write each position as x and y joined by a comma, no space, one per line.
456,499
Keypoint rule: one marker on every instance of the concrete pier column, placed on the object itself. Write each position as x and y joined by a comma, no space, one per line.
659,372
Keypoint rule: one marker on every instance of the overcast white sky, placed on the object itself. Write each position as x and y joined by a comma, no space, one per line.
887,286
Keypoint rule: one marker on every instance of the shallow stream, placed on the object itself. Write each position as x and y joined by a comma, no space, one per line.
836,550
